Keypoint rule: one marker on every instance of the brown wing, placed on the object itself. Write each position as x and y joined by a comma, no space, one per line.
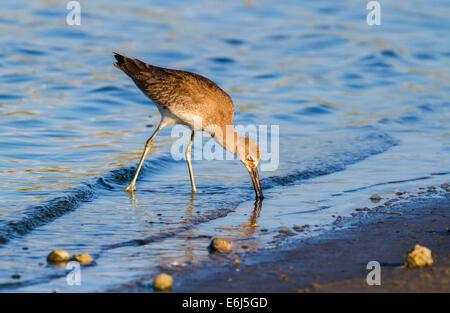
155,82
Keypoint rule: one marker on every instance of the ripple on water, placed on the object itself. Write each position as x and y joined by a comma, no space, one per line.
9,97
318,42
17,78
351,76
266,76
222,60
424,56
106,89
389,53
315,110
234,41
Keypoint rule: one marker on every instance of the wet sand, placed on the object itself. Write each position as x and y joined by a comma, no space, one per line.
336,261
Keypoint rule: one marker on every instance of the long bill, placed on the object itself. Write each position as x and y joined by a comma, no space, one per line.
256,184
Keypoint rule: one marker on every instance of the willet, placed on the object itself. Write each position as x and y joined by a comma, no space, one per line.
196,102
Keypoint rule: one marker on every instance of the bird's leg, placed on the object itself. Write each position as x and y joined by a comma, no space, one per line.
188,159
132,186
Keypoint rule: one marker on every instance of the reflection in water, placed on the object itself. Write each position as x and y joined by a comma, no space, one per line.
250,229
189,245
255,214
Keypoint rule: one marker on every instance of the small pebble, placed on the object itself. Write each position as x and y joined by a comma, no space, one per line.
220,245
394,213
298,228
58,256
285,231
314,285
445,186
15,276
419,257
236,261
83,258
283,277
163,282
375,197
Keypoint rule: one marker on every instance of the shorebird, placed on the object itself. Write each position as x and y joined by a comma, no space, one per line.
196,102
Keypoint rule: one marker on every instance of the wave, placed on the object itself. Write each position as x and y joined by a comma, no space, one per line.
39,215
333,157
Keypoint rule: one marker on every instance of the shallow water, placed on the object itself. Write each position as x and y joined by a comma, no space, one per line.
361,110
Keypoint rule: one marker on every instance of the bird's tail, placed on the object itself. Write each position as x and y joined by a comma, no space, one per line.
131,67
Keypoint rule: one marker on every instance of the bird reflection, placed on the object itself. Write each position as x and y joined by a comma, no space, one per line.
252,222
249,229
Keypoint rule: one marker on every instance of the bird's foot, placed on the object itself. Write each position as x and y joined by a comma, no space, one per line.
250,224
130,188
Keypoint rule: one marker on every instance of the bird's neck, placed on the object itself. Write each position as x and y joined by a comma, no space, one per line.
228,138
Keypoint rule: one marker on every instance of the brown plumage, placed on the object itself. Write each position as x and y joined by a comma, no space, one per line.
180,91
194,101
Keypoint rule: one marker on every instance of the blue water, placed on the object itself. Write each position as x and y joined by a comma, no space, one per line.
361,110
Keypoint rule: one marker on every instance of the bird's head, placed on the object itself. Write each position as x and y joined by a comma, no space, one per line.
248,152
